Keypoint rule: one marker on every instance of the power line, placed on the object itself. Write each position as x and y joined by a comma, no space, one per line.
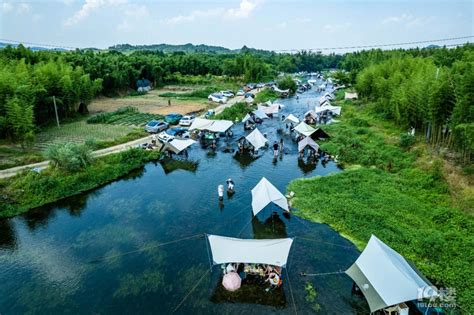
382,45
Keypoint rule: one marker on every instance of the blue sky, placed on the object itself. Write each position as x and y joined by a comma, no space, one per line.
265,24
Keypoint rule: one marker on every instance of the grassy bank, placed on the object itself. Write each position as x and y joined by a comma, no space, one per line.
235,112
265,95
397,192
31,190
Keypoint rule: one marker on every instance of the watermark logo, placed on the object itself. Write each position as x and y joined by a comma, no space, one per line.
431,296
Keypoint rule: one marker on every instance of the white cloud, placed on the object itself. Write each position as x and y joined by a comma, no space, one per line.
23,8
408,20
7,7
245,8
337,27
194,15
91,6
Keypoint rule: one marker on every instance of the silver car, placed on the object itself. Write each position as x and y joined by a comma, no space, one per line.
156,126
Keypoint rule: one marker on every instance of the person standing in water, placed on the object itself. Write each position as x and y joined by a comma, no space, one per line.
275,149
281,145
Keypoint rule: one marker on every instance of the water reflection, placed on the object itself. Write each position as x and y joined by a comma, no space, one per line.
307,166
170,165
272,227
7,235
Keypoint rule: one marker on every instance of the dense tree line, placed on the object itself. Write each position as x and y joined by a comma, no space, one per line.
431,92
429,89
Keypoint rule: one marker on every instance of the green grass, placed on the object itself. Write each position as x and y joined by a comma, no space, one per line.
389,195
79,132
127,116
30,190
265,95
235,112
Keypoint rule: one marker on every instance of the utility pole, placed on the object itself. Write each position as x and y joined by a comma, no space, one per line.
56,110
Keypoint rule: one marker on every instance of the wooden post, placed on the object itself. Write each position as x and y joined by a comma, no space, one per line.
56,111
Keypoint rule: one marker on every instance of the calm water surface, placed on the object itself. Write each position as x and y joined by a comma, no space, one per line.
98,253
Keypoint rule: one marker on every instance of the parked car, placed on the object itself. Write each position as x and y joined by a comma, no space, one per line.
155,126
217,98
260,85
240,92
247,95
172,133
187,120
173,118
227,93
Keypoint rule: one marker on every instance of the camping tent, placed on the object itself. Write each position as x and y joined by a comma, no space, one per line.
336,110
256,139
304,129
258,113
178,145
307,142
269,109
230,250
264,193
311,113
220,126
211,125
386,278
201,124
291,119
319,134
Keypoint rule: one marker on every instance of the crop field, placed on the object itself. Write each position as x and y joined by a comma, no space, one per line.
79,132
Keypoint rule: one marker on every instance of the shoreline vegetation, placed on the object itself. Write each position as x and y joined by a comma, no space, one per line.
30,190
398,193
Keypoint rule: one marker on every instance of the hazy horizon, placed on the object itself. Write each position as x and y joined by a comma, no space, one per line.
259,24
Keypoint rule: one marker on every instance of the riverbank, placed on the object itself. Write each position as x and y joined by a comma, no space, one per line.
401,194
30,190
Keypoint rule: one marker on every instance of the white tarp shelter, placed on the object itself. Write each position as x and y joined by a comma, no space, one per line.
235,250
221,125
256,139
291,119
350,95
307,142
211,125
258,113
178,145
276,89
269,109
304,129
201,124
336,110
386,278
265,193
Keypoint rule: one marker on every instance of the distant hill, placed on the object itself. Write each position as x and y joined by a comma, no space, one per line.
33,48
166,48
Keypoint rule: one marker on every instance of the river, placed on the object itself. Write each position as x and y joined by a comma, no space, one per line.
102,252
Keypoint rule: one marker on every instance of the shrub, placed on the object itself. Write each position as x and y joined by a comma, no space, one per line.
287,83
406,140
69,156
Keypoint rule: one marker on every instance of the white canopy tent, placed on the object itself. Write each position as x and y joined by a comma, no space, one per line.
269,109
178,145
221,125
311,113
258,113
307,142
231,250
304,129
256,139
336,110
201,124
276,89
291,119
386,278
211,125
264,193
